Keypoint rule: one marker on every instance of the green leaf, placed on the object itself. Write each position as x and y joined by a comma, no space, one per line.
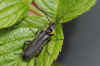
65,10
11,11
27,1
12,41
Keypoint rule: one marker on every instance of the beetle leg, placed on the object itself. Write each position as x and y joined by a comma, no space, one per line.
59,39
19,54
26,43
35,61
48,46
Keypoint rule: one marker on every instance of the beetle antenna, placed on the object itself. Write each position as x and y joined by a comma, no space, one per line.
47,16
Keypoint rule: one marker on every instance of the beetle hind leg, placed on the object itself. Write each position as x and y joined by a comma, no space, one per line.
60,39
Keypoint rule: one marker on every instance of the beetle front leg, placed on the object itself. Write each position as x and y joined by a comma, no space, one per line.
47,46
26,43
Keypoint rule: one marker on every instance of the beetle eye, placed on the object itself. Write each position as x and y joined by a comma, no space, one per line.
50,30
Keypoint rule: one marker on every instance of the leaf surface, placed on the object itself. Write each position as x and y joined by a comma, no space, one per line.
11,11
64,10
18,30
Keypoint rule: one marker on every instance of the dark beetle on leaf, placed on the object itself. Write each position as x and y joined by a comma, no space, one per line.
35,46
